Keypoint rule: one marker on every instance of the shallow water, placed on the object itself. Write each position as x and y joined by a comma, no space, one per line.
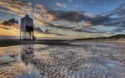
81,60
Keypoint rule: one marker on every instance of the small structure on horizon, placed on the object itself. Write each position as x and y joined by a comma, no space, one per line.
27,28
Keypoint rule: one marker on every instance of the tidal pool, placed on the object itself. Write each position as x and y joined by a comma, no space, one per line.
80,60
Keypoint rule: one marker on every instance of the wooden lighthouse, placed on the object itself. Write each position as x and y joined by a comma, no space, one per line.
27,28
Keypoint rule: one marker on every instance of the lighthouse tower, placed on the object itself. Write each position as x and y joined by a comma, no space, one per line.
27,28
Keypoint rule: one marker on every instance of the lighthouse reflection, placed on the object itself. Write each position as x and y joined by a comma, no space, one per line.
48,62
27,53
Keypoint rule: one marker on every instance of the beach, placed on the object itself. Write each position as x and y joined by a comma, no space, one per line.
84,59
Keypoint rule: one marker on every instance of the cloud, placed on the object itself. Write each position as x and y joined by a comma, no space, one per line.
6,11
74,16
70,0
61,5
40,12
77,20
56,15
16,6
118,22
44,16
89,14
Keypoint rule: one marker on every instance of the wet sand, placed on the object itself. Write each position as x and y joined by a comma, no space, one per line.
88,60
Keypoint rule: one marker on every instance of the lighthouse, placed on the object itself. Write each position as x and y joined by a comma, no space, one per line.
27,28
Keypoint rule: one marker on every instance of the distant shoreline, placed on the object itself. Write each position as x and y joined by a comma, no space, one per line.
5,43
12,42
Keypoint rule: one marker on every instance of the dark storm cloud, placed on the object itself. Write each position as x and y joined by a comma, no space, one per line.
120,12
106,22
74,16
77,16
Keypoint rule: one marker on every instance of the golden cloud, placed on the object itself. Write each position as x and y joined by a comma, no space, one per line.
16,6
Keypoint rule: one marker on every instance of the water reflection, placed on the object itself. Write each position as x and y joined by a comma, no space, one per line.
51,64
44,61
27,53
15,62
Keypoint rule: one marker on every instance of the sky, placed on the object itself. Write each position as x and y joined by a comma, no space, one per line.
86,18
92,6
